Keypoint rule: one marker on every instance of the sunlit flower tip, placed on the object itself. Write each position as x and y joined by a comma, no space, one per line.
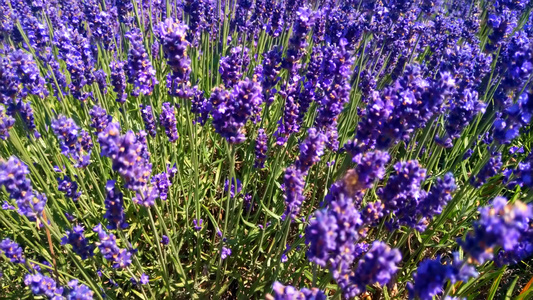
165,240
198,224
233,190
282,292
144,279
225,253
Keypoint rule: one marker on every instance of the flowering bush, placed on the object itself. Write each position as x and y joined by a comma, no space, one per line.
202,149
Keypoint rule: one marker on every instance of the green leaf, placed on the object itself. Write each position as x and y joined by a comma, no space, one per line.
494,287
511,288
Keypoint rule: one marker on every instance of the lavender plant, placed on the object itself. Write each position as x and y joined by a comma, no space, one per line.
205,149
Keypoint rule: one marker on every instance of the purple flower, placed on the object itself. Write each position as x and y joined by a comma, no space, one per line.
13,177
298,40
79,291
118,80
80,245
127,155
233,191
271,69
402,193
165,240
261,149
225,253
489,170
373,212
198,224
27,74
109,249
232,66
99,118
6,123
500,225
231,111
282,292
167,119
148,119
321,235
144,279
12,251
288,124
334,78
43,285
172,36
431,276
162,183
114,205
100,77
69,187
311,150
294,182
70,141
140,71
379,264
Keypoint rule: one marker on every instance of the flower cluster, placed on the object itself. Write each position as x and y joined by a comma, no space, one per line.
114,205
13,177
139,68
167,119
172,36
121,258
127,157
12,250
231,111
69,187
80,245
72,140
501,224
287,292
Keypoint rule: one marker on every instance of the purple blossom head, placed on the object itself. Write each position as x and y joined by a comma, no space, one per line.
225,253
294,182
232,66
78,291
128,154
261,149
43,285
167,119
500,225
172,36
80,245
118,80
148,119
71,140
6,123
282,292
99,118
198,224
378,265
165,240
69,187
311,150
140,71
13,176
233,190
12,251
114,205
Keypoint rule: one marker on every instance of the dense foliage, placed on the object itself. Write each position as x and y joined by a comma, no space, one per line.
203,149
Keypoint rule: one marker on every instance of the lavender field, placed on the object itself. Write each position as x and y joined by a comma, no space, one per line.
258,149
